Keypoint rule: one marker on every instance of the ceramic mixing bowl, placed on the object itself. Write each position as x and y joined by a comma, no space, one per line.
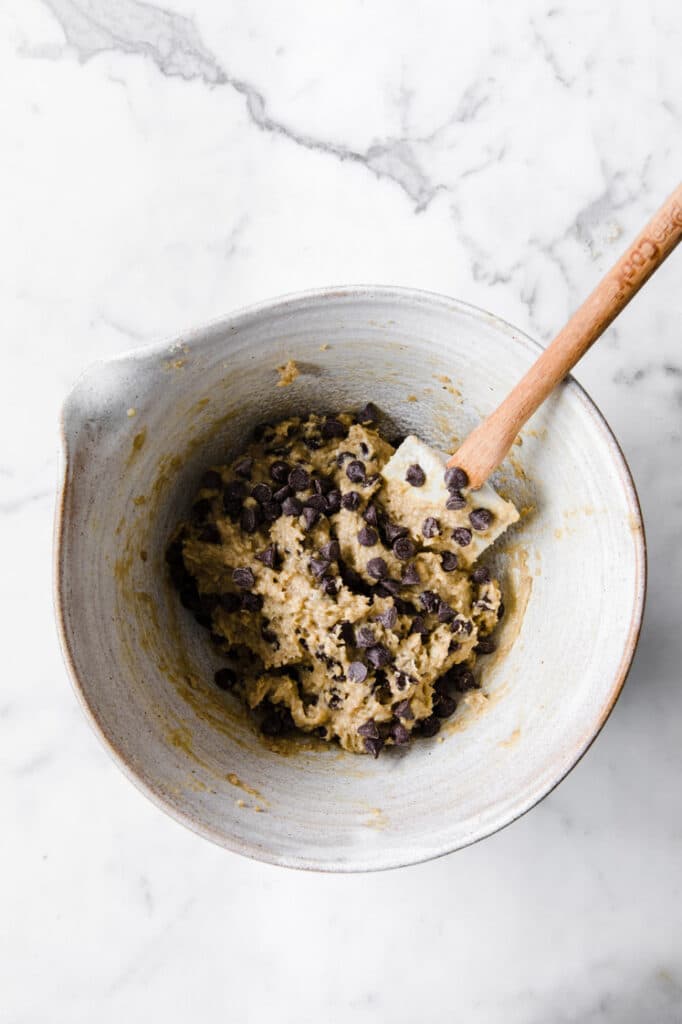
138,433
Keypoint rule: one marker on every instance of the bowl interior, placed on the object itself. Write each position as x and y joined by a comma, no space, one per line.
572,570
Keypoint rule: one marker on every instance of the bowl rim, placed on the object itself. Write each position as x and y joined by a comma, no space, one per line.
278,305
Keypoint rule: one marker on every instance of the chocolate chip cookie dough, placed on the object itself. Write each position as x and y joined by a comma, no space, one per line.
336,614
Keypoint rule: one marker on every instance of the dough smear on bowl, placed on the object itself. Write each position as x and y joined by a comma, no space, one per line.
342,606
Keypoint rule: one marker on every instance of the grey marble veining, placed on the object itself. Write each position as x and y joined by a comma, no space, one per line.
164,164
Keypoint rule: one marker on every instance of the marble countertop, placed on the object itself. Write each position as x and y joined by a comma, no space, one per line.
164,165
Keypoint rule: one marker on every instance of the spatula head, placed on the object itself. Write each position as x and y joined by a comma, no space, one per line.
410,505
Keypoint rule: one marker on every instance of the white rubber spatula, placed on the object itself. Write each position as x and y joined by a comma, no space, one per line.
488,444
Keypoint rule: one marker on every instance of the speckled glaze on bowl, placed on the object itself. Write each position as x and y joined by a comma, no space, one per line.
573,571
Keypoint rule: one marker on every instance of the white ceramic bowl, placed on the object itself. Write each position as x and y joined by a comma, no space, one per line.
573,572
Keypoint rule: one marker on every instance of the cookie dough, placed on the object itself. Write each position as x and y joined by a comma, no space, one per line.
339,610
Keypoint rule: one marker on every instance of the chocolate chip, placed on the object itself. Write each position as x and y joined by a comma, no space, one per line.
272,511
318,567
403,548
419,626
318,502
251,518
430,527
357,672
388,618
443,684
365,637
463,679
415,475
445,612
351,500
455,478
330,550
377,568
243,577
401,681
329,587
282,493
481,518
212,480
371,515
235,490
500,611
462,536
299,479
444,706
312,442
322,485
251,602
229,602
368,415
333,501
310,517
429,726
269,556
455,502
378,656
400,734
373,747
225,678
355,471
403,709
364,449
369,729
392,531
292,506
262,493
279,471
429,600
480,575
244,467
332,428
387,588
448,561
486,645
409,576
344,457
334,701
368,537
210,534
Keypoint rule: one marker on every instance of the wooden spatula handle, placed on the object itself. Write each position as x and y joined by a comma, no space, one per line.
485,448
